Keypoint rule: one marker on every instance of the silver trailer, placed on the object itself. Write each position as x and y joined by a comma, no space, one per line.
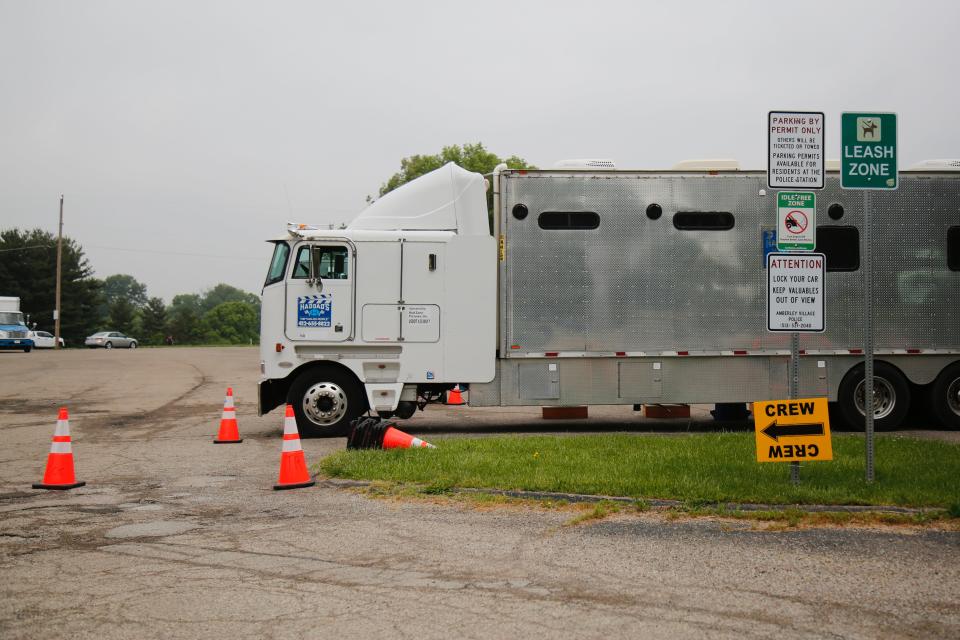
627,287
601,286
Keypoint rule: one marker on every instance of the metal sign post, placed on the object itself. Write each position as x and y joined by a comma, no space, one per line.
795,304
869,152
868,335
794,392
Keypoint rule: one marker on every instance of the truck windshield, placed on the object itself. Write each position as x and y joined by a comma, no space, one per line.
11,317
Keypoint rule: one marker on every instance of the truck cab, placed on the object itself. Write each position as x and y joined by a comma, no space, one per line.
14,333
401,301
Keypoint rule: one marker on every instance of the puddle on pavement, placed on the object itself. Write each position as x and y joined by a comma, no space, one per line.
156,528
204,481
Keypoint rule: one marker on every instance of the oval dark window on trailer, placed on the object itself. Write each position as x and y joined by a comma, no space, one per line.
841,246
703,220
568,220
953,248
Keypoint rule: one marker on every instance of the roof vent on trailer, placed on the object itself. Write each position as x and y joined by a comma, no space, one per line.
721,164
586,163
937,165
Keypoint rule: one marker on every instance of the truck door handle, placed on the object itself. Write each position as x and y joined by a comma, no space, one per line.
432,262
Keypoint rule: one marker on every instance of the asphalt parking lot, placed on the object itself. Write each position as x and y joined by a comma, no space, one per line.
175,537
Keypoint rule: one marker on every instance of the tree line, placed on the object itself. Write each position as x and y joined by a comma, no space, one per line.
28,267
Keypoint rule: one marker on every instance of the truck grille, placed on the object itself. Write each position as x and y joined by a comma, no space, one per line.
17,334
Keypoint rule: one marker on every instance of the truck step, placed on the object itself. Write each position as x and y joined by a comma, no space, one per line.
564,413
666,411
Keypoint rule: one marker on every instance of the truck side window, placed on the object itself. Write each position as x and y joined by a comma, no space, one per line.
568,220
703,220
333,263
841,245
278,263
953,248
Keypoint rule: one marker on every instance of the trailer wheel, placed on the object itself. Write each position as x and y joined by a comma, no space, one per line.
891,397
945,394
325,400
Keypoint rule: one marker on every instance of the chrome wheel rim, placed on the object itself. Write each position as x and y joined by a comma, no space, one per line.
884,398
325,404
953,396
108,346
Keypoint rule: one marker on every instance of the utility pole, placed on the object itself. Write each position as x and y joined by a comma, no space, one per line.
56,332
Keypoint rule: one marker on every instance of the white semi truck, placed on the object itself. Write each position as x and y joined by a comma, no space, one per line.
14,333
603,286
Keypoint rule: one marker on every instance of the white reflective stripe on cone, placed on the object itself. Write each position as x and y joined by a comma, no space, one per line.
229,414
290,427
291,445
60,447
63,428
228,403
417,442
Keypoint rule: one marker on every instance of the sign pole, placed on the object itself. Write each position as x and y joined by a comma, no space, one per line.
868,334
794,392
869,162
56,330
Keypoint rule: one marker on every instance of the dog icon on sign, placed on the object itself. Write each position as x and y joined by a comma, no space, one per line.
868,130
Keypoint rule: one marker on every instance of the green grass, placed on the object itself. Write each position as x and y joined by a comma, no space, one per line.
699,469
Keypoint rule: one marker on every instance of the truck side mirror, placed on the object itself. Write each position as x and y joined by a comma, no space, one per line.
316,253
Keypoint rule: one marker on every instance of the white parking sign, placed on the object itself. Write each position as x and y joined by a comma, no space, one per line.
795,292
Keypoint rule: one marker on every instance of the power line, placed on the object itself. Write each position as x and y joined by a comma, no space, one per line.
173,253
36,246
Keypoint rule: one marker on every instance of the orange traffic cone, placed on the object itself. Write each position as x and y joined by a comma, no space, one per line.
454,397
59,473
393,438
229,433
293,464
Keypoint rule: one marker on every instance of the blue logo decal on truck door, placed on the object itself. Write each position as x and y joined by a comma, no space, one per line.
314,311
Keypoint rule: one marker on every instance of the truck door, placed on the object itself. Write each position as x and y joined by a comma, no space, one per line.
322,309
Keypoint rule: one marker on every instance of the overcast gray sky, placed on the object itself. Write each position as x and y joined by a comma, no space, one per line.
183,134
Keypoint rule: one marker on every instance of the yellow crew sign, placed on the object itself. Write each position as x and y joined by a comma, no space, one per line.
792,430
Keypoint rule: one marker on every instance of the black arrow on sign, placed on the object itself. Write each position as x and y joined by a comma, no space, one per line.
774,430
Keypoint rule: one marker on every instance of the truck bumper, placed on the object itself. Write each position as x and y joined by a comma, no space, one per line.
15,343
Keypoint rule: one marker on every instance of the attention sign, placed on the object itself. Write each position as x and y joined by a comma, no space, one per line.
795,149
792,430
869,155
795,292
796,221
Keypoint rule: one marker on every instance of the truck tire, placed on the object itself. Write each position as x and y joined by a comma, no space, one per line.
891,397
945,396
325,401
27,349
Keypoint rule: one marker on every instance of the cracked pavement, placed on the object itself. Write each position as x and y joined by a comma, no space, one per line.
174,537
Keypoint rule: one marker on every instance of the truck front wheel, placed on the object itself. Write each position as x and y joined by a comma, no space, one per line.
325,401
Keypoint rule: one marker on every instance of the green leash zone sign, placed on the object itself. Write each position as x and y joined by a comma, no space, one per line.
869,151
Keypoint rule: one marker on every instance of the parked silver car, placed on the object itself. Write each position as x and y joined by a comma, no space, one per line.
109,340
